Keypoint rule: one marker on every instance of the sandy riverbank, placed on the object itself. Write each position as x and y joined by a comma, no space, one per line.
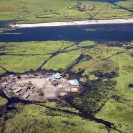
86,22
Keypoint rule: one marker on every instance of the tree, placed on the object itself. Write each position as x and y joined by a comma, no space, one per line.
40,92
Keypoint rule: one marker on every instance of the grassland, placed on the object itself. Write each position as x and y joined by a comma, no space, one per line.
62,60
128,5
3,101
118,108
28,11
108,72
21,57
48,117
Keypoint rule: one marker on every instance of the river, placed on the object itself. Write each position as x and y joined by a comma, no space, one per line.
97,33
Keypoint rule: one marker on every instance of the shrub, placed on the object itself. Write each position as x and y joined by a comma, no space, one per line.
12,93
29,83
35,74
40,92
28,87
18,76
4,79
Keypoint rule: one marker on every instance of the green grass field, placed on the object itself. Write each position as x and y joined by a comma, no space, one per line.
28,11
3,101
49,117
108,65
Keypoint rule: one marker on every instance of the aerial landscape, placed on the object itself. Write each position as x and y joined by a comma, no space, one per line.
66,66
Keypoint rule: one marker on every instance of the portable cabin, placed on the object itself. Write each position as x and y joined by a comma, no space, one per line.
17,90
26,95
74,82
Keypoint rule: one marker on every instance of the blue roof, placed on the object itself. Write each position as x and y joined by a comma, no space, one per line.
73,82
17,89
57,76
50,77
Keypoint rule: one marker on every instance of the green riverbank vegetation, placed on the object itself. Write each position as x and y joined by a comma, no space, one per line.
27,11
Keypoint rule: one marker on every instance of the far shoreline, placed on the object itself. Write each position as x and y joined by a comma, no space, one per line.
75,23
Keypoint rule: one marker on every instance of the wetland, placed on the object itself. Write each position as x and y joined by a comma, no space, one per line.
99,56
104,66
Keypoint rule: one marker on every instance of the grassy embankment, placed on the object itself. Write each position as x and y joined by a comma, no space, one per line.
48,11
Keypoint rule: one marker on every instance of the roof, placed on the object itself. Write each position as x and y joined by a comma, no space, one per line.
26,95
60,86
17,89
54,82
56,75
74,89
67,88
11,75
50,78
74,82
63,79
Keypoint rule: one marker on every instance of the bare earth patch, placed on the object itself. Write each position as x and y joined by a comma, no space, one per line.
36,88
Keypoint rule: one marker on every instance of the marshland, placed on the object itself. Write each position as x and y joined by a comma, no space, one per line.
100,57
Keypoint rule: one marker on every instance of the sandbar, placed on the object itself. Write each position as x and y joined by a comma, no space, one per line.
76,23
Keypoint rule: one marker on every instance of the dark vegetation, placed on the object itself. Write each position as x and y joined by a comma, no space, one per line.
95,97
42,117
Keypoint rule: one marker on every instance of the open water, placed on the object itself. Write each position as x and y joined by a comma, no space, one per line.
99,33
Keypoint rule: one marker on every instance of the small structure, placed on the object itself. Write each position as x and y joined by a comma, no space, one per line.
50,78
11,75
74,82
67,89
63,80
54,82
11,80
60,86
17,90
74,90
84,7
56,75
26,95
4,85
30,75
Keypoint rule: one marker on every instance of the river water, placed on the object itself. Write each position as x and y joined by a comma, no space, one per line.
99,33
